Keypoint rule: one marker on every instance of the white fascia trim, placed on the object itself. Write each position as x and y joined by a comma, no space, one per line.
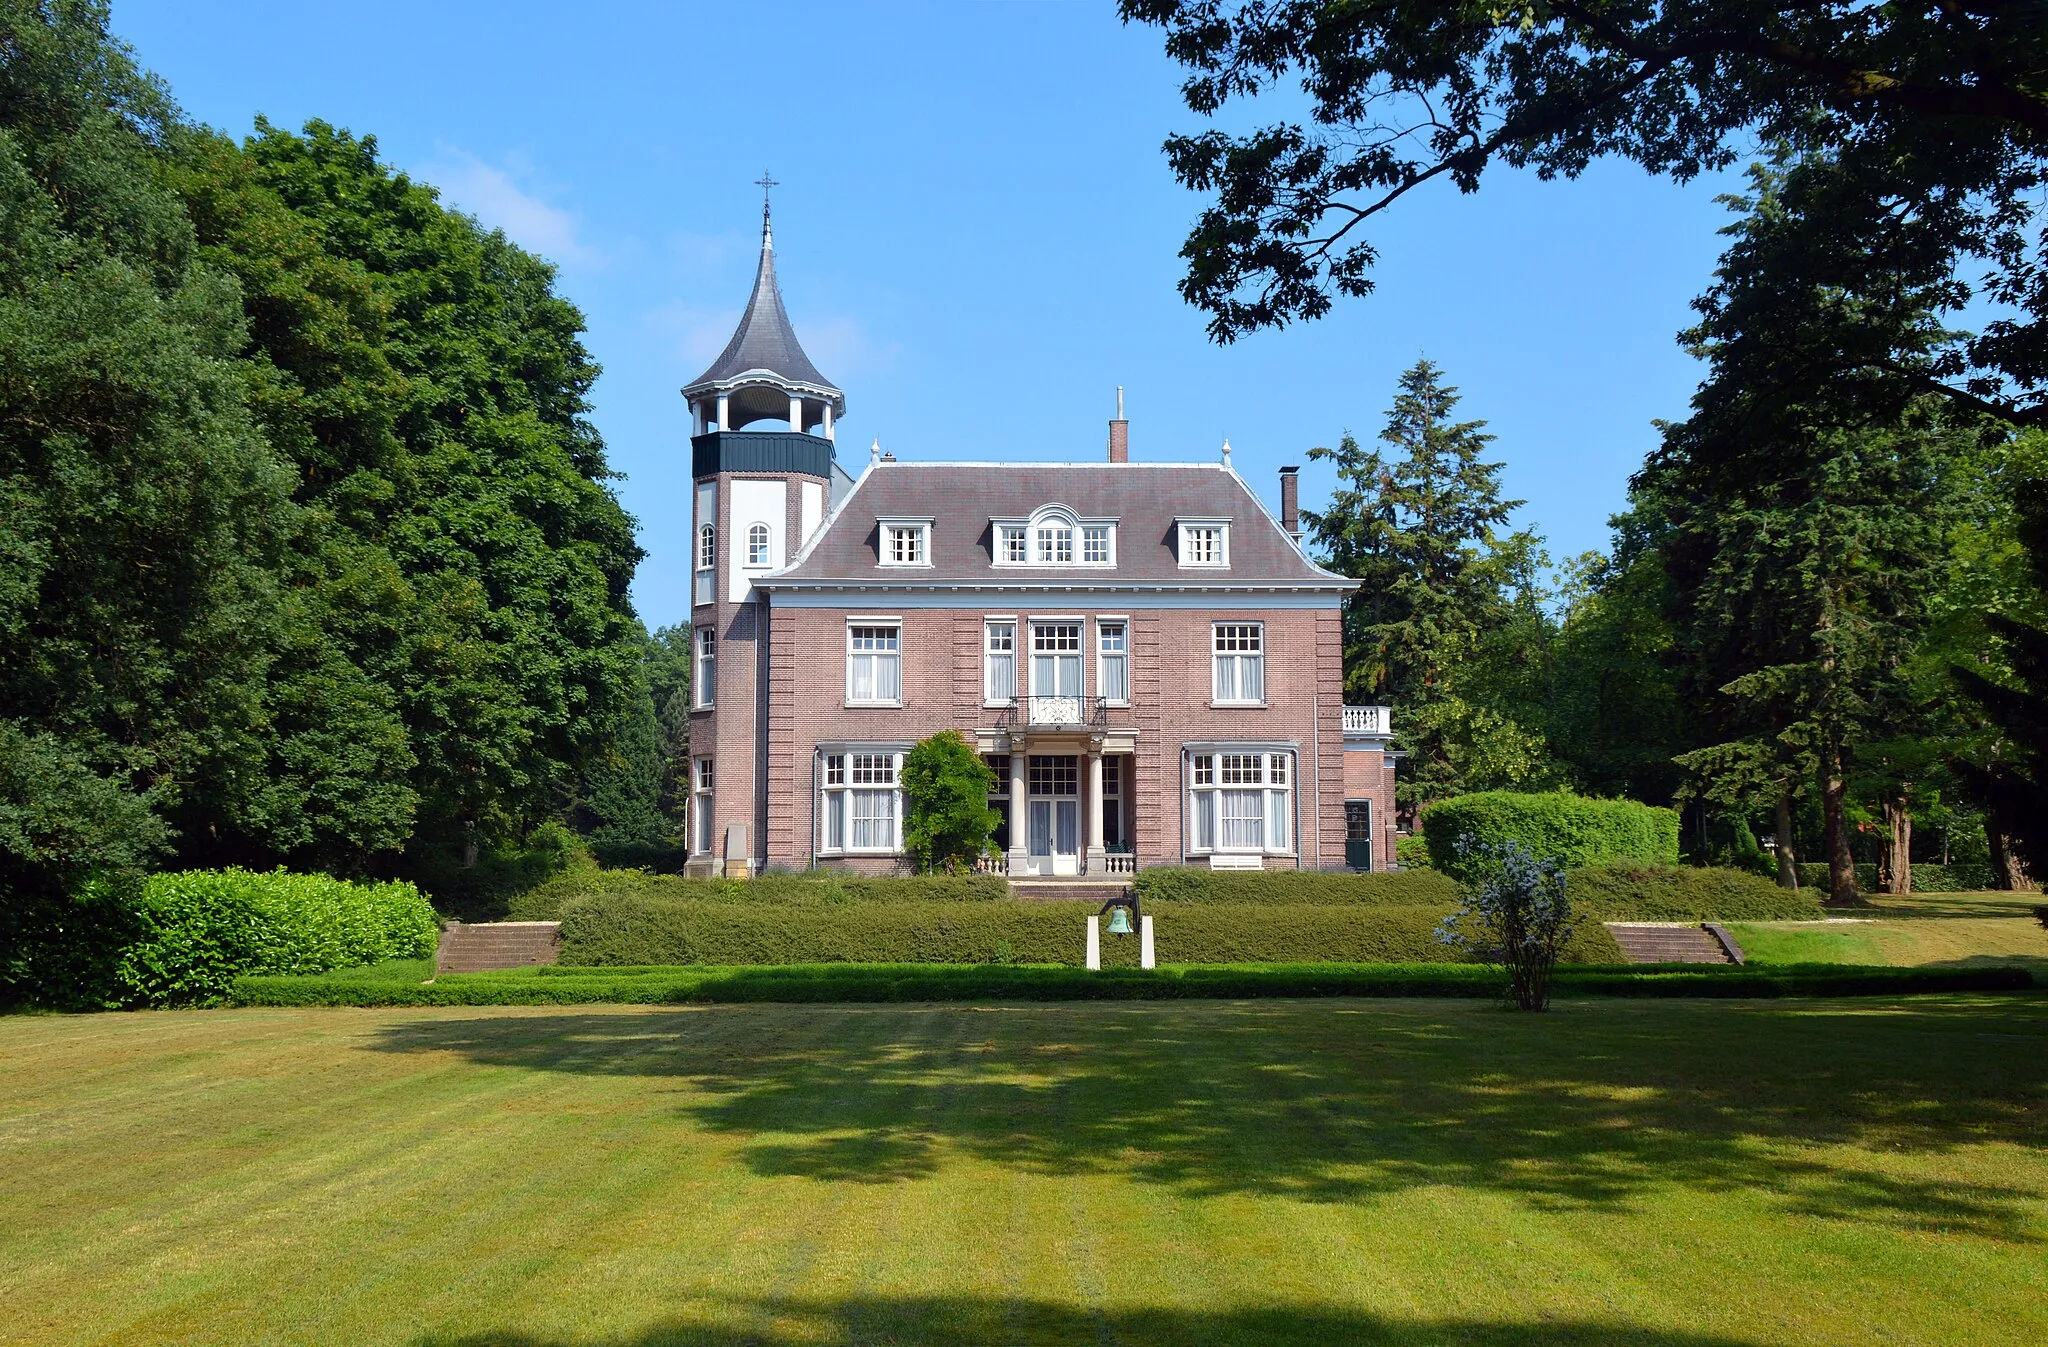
1223,601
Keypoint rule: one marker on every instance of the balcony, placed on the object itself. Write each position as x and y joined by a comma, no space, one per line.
1052,713
1367,720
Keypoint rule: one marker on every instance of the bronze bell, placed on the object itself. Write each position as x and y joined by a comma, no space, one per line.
1120,921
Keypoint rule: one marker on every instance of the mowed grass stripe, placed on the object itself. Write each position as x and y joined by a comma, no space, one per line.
1662,1174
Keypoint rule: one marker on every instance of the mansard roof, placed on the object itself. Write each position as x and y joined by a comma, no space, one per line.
764,340
964,500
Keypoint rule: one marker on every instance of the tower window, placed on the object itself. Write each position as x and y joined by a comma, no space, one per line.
757,544
707,546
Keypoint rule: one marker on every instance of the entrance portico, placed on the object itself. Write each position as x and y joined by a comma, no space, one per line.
1056,796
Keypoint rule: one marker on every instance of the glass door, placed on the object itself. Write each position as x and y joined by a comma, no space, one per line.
1055,814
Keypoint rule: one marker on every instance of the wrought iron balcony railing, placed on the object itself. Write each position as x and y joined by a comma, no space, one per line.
1044,713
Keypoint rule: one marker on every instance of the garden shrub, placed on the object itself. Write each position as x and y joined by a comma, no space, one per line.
62,951
547,901
1520,917
623,930
1928,877
1629,892
1197,884
1574,829
197,930
947,823
1412,853
899,983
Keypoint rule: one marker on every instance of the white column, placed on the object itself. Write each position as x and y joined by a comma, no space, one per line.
1095,943
1097,854
697,416
828,420
796,413
1145,959
725,411
1017,837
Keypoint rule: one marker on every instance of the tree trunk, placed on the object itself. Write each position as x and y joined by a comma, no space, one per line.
2005,866
1835,817
1898,847
1788,864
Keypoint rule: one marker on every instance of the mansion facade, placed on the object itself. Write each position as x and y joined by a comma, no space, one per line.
1144,656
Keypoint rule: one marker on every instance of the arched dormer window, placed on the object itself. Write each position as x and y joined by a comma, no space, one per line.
1054,535
707,546
757,544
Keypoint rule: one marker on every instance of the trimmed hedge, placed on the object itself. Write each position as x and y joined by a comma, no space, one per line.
627,930
1962,877
548,901
201,929
1625,892
1575,829
1195,884
871,983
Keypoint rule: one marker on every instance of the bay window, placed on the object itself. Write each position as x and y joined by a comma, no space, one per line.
874,664
860,802
1242,801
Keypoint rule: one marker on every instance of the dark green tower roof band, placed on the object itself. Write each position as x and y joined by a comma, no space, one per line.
760,451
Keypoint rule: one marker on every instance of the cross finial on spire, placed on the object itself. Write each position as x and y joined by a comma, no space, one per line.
767,183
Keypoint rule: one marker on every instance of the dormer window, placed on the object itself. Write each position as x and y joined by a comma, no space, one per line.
906,542
1054,536
1204,542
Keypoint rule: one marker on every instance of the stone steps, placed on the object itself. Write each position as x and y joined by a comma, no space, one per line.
497,944
1667,942
1097,891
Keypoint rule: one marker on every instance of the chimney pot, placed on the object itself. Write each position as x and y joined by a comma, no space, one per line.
1290,502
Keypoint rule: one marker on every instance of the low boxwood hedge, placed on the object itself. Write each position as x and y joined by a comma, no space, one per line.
548,901
1628,892
1575,829
631,929
881,983
1196,884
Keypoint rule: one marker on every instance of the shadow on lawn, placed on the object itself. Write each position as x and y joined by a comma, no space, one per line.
1341,1101
953,1321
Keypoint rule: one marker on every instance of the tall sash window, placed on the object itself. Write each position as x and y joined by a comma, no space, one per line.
874,665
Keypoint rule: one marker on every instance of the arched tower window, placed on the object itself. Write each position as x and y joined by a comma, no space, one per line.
707,546
757,544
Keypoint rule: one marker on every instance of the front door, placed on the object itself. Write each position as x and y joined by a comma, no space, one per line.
1055,814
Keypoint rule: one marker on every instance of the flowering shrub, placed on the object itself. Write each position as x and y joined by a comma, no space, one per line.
1519,916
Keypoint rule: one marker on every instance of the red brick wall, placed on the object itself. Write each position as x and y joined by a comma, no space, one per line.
1170,686
1369,775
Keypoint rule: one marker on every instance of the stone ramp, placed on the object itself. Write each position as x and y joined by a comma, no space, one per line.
497,944
1668,942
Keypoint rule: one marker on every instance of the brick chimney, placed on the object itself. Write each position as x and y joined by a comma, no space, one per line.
1290,502
1119,432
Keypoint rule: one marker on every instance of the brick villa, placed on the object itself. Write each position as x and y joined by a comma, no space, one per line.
1142,653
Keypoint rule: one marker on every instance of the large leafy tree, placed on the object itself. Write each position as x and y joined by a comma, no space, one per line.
1804,537
1445,587
1937,111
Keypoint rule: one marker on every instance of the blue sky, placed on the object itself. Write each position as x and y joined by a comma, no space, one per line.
977,235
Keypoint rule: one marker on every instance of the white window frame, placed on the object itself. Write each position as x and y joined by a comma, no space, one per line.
994,629
905,542
875,660
1078,653
703,818
760,546
707,546
860,783
1251,786
1104,657
1037,540
704,670
1184,532
1240,661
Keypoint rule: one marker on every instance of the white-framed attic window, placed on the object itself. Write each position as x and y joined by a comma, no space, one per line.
1203,543
1054,535
906,542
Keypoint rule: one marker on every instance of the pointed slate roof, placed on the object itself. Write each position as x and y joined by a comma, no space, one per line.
764,339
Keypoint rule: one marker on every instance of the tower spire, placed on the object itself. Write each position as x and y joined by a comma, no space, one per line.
767,183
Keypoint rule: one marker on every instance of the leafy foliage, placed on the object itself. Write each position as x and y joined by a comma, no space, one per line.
547,901
1520,916
1631,891
1572,829
1936,113
1195,884
947,823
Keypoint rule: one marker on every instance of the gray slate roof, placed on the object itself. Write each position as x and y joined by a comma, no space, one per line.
764,339
962,498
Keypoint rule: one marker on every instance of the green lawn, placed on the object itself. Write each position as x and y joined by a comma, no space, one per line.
1652,1174
1949,930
